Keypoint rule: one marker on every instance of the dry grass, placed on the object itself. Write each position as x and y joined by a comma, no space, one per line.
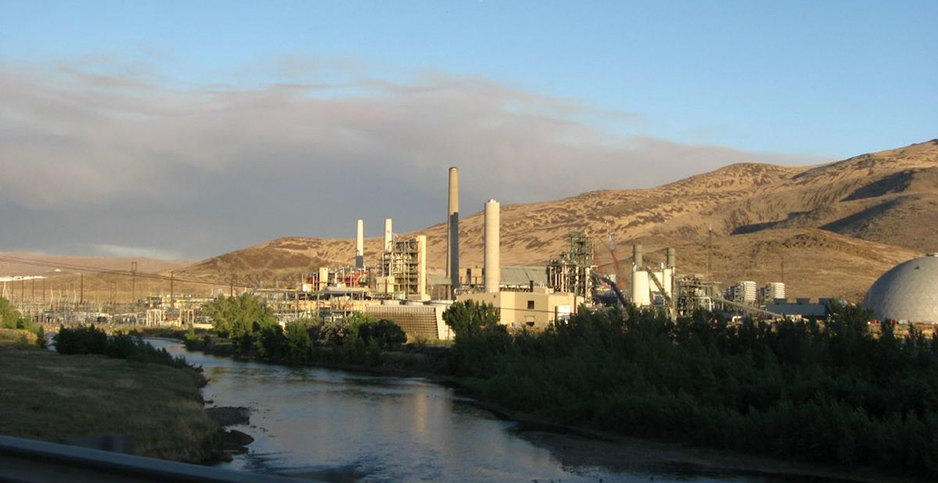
48,396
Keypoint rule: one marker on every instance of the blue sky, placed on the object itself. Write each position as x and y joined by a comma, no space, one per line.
787,81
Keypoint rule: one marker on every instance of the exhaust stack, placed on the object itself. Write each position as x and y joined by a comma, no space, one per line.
360,245
492,247
422,266
452,224
637,258
388,236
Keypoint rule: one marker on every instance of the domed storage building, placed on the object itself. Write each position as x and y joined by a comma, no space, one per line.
907,292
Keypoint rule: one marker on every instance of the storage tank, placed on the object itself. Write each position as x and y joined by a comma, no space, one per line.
908,291
640,293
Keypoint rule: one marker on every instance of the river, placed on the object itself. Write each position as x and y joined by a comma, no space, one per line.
343,426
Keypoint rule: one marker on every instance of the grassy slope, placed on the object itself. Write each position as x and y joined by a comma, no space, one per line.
49,396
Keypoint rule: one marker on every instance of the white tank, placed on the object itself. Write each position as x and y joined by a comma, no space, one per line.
908,291
640,293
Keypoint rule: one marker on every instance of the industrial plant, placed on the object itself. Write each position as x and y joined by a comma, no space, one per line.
396,284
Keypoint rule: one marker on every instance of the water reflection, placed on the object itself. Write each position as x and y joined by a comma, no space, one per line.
339,426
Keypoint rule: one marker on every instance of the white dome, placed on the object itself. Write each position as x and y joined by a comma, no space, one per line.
909,291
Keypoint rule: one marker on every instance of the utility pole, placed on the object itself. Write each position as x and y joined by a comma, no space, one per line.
231,289
43,290
81,297
783,269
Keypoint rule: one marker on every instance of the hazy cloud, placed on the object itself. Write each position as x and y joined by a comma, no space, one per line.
76,141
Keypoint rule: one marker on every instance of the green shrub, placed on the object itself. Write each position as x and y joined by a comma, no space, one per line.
833,394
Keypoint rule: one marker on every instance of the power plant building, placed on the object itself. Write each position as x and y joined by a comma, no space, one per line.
533,310
418,321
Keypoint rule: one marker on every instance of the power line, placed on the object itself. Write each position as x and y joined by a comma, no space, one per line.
124,273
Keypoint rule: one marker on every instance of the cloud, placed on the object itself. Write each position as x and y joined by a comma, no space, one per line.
81,137
106,250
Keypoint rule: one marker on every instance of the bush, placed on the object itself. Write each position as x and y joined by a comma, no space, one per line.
831,393
384,333
91,340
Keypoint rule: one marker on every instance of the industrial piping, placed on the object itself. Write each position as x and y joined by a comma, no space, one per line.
492,261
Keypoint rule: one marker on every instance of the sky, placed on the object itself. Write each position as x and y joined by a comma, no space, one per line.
176,129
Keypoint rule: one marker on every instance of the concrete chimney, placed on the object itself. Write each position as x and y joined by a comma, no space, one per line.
492,247
360,245
452,224
388,235
422,266
671,258
637,259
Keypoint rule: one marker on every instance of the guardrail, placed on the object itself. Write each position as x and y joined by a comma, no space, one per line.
28,461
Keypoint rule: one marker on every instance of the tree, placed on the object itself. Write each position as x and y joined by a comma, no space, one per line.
469,319
299,344
9,316
385,333
236,317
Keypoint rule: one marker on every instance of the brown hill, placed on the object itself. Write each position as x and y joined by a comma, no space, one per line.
27,263
834,228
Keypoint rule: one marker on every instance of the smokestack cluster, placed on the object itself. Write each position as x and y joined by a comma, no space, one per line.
360,245
452,224
492,261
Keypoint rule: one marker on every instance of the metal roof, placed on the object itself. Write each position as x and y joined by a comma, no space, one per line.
523,276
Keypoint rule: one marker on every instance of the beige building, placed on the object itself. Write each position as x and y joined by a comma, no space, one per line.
535,309
418,321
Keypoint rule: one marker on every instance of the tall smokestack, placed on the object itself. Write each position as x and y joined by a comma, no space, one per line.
360,245
492,247
422,266
637,256
452,240
671,258
388,235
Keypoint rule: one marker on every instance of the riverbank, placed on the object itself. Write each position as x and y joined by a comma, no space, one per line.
594,447
157,410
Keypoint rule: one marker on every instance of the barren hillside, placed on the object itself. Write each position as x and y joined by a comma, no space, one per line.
27,263
835,228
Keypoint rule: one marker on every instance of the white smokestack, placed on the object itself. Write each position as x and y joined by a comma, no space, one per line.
360,245
388,235
492,247
422,266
